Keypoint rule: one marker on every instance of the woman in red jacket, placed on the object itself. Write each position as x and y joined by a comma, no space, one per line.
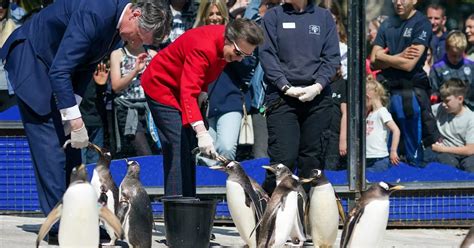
172,82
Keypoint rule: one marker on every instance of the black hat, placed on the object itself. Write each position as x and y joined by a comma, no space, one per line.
5,4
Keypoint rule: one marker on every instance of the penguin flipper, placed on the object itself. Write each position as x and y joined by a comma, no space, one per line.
267,217
469,239
307,222
302,203
51,219
354,217
262,195
122,210
108,217
340,209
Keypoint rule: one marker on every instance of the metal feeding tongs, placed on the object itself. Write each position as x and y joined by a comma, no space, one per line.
215,157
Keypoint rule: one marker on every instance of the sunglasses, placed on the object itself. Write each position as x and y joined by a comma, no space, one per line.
239,51
402,1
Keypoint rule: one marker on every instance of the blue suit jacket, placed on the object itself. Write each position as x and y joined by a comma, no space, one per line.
61,46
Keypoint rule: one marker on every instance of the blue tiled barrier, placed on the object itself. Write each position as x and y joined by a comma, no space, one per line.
18,188
11,114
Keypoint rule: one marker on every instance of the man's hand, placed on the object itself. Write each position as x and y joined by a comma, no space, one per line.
310,92
101,74
410,52
294,92
79,138
205,144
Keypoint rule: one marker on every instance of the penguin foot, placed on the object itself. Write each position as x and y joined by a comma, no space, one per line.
111,243
296,242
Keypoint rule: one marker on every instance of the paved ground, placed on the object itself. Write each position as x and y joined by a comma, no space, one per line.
20,232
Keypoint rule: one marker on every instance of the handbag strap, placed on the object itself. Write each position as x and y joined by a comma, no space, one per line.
243,104
244,109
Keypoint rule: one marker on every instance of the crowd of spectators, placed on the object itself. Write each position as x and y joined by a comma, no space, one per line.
417,69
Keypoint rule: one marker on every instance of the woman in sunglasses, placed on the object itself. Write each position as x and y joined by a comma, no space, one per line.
172,83
227,94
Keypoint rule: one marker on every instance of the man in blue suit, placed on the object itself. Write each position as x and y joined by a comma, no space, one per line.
50,60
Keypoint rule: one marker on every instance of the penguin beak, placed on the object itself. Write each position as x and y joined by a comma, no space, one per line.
95,147
266,167
306,180
217,167
396,187
81,167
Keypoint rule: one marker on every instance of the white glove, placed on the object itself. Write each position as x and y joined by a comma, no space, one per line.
202,98
205,144
79,138
294,91
310,92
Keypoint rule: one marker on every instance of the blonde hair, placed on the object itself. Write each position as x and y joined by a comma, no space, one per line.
377,21
379,90
204,9
456,39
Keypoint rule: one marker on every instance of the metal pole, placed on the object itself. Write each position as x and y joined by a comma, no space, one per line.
356,97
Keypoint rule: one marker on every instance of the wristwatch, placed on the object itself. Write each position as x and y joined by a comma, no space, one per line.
285,87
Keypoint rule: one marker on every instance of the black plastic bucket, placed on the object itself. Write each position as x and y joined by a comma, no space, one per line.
188,221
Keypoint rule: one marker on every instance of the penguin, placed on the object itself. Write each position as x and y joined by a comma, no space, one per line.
246,200
297,234
282,211
134,211
368,220
103,183
79,215
469,239
323,210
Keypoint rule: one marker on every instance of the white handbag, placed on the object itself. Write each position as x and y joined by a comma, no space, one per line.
246,129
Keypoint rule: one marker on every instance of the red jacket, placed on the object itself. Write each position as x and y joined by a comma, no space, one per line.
178,73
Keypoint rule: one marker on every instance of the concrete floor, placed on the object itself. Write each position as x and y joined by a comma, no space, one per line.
20,232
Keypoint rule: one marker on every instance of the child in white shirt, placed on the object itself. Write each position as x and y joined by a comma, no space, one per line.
378,123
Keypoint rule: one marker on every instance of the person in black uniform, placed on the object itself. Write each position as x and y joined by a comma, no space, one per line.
297,74
400,52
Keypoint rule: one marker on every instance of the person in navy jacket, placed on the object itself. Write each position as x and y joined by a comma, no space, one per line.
50,61
300,56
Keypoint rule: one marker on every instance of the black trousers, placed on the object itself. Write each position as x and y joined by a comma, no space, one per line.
176,140
295,134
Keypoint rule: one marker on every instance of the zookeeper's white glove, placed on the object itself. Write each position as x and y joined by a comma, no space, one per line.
310,92
294,91
206,144
79,138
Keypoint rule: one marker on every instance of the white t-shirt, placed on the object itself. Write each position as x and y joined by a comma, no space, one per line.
377,133
343,51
